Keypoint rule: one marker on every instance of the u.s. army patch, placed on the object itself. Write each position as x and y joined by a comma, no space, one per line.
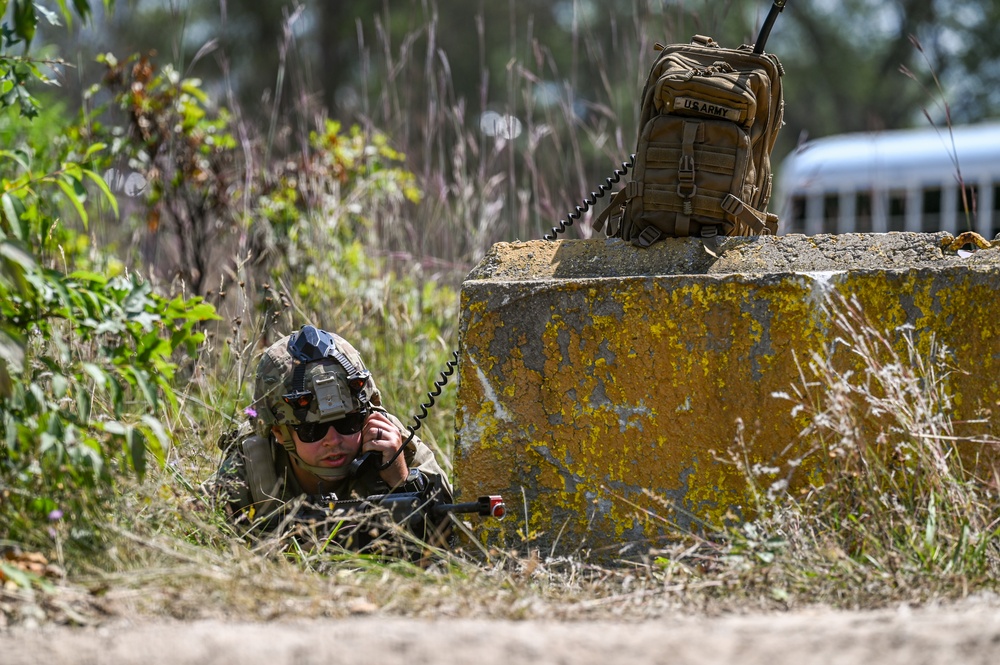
701,107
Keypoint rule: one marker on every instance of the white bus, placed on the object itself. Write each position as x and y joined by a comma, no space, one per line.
904,180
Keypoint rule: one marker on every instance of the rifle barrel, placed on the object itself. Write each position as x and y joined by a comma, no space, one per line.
467,507
485,506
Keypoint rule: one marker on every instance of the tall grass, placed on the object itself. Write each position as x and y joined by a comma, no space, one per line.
562,127
907,499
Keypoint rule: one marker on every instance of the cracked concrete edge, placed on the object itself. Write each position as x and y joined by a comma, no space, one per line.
612,257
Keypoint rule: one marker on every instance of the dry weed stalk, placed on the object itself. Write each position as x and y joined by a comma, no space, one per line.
901,497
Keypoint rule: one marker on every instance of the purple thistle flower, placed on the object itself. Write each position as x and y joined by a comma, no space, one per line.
55,515
250,411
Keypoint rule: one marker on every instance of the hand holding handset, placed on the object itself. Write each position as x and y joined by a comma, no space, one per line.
370,460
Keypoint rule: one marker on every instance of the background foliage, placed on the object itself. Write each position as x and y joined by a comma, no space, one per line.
436,75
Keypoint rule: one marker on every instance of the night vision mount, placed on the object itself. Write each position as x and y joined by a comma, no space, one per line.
309,345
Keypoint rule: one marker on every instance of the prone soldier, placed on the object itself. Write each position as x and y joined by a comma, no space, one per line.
316,413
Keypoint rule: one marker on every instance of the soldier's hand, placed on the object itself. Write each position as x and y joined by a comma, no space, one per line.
381,435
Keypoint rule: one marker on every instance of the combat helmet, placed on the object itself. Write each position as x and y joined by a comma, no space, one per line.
310,376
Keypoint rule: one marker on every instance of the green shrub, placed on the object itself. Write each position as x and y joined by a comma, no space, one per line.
88,362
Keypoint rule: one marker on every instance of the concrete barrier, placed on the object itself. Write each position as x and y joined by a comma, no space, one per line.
601,385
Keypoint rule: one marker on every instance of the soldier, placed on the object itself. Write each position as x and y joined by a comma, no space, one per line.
317,413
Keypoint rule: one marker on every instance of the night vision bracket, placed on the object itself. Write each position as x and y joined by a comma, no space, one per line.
309,345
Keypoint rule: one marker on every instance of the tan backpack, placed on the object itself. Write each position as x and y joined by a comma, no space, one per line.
709,120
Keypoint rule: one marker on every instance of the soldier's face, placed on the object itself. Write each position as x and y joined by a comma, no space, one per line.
333,450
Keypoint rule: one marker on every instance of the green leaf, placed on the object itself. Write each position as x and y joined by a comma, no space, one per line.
58,286
96,373
148,391
138,298
84,402
117,396
115,427
145,319
16,155
13,208
6,385
49,15
87,276
137,450
18,255
83,7
16,575
48,442
11,355
162,439
92,149
68,186
88,453
103,186
65,12
60,385
25,20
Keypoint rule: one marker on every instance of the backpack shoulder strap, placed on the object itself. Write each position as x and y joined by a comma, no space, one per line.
262,479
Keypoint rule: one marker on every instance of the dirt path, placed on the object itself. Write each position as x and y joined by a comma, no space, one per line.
968,634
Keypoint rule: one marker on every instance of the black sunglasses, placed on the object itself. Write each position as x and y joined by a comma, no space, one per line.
349,424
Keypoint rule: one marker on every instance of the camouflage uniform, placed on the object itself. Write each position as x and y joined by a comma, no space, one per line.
327,385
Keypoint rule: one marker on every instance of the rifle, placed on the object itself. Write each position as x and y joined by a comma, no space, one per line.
367,524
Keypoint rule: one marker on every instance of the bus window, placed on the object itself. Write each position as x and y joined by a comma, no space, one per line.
897,210
966,215
932,210
797,215
892,181
996,210
831,213
863,212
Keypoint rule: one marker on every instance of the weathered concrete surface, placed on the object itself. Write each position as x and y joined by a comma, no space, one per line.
600,383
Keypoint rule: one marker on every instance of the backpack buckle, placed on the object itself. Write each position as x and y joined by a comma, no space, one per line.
685,173
648,236
685,168
732,205
686,190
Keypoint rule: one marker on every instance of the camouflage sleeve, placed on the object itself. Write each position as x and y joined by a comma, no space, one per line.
419,456
228,488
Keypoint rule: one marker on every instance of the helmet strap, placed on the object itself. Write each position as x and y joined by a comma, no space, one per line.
287,442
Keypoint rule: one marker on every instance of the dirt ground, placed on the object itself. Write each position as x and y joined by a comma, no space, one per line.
966,633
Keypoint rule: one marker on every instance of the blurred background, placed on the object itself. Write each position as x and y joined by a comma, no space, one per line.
508,113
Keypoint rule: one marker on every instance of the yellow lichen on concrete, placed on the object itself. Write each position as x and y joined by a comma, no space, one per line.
607,410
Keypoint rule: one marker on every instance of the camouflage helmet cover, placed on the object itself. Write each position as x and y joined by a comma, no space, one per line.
325,381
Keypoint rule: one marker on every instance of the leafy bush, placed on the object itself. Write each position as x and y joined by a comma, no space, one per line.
88,362
86,383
